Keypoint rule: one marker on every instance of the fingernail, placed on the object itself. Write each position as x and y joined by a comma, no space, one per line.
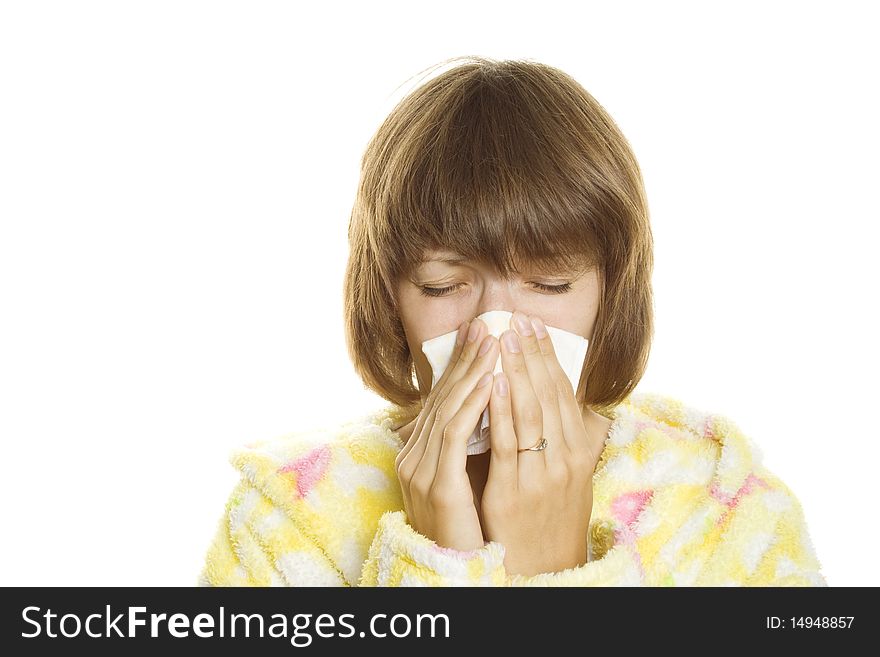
475,328
462,331
487,342
523,327
538,325
501,385
511,341
484,380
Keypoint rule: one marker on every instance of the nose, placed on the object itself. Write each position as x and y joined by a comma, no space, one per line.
496,295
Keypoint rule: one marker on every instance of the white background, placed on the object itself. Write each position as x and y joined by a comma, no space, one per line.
176,180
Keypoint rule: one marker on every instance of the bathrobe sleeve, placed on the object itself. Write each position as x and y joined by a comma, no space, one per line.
400,556
755,537
758,538
249,550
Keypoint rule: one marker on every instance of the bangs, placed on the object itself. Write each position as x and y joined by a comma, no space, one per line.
500,169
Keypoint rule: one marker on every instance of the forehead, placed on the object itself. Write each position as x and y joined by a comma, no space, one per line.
442,255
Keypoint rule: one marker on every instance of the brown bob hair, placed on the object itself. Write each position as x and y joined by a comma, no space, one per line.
503,162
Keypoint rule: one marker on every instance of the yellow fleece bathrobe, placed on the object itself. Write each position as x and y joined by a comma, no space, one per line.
680,498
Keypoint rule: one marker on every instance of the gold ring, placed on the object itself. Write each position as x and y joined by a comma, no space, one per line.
541,445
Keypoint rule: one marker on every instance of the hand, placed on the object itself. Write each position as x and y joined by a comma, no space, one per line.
537,504
437,494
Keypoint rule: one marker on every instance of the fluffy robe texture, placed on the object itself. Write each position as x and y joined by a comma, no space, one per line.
680,498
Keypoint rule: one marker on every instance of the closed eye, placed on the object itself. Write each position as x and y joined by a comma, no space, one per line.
444,291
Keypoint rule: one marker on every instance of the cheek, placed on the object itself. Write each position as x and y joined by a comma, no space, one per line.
420,325
562,317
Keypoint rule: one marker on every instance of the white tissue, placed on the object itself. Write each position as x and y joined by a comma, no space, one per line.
571,350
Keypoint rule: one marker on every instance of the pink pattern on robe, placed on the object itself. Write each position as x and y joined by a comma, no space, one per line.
733,501
626,508
309,469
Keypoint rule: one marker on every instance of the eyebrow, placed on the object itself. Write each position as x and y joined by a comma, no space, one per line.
450,259
577,270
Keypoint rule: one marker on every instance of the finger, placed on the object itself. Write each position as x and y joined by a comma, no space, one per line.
447,411
460,339
465,351
452,459
526,409
570,411
502,438
467,342
544,389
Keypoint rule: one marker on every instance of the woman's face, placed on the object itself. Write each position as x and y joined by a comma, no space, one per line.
475,290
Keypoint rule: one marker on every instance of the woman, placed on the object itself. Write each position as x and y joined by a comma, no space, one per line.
504,185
